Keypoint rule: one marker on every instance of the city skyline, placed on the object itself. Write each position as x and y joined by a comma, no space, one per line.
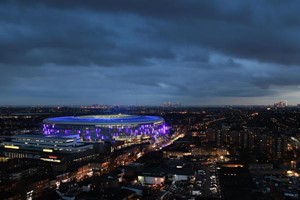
148,52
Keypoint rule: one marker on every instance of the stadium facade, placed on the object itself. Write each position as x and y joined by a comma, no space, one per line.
120,127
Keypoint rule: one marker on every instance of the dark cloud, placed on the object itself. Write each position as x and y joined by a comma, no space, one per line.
46,35
277,78
147,51
260,30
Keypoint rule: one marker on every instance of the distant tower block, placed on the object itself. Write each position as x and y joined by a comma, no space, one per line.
280,104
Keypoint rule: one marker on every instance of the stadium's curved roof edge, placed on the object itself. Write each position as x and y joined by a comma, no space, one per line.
119,119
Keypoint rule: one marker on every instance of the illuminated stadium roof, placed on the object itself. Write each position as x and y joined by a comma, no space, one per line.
119,119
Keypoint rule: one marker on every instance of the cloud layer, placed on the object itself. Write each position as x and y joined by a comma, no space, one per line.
149,52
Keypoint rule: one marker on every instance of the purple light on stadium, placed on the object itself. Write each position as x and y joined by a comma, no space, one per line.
121,125
88,137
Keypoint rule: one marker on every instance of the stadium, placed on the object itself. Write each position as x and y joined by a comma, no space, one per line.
120,127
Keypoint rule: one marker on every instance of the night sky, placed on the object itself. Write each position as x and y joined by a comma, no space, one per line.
138,52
